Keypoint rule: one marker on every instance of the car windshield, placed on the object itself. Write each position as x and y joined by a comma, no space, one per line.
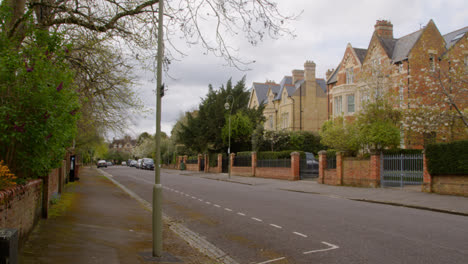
310,156
150,161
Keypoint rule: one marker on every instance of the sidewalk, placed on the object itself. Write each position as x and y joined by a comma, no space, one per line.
408,196
96,222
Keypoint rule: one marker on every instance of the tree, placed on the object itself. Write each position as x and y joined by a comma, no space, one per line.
240,130
340,134
202,131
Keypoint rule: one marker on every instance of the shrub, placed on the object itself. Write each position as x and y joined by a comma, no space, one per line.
447,158
7,178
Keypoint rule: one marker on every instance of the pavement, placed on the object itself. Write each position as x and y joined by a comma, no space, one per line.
95,221
409,196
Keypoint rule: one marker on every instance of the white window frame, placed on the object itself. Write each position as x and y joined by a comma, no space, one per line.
353,103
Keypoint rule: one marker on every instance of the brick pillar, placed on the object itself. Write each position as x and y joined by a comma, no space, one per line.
322,166
295,161
185,160
200,156
179,158
427,178
374,170
339,168
231,161
219,169
254,163
207,162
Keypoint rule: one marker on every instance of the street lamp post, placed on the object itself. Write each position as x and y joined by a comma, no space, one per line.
229,107
157,187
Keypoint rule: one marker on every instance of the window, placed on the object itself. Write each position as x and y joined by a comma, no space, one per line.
349,75
338,109
431,63
401,95
466,63
400,68
350,103
270,121
285,118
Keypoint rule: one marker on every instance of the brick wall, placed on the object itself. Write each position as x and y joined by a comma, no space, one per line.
450,184
21,207
350,171
241,171
274,173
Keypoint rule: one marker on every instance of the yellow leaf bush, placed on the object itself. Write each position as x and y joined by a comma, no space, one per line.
7,178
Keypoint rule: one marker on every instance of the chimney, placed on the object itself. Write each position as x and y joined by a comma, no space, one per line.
329,73
297,75
384,29
309,68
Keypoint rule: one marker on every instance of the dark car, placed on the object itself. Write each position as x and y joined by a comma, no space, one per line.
312,163
132,163
102,163
147,164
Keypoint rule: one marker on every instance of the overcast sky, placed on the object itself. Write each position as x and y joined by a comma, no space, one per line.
323,31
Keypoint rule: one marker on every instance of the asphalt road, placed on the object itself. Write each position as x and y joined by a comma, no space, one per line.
261,224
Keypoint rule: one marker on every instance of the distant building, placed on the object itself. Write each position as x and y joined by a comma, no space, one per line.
126,144
297,103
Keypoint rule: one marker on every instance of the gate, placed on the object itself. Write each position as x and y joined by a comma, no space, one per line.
307,169
401,169
224,165
202,164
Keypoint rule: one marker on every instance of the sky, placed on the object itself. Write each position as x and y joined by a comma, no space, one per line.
322,31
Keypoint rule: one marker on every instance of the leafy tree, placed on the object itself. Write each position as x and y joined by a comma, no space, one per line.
340,134
39,105
202,131
241,131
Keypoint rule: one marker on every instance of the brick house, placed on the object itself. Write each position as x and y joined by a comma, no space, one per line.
126,144
398,66
298,102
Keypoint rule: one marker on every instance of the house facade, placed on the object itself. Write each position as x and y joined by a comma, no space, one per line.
126,144
297,103
400,67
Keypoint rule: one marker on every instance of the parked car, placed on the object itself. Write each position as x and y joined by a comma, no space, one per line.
128,162
312,163
133,163
124,163
138,164
102,163
147,164
110,163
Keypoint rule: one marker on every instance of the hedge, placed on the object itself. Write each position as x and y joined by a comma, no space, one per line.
285,154
447,158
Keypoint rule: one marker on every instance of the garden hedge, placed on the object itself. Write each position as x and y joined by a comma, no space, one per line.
447,158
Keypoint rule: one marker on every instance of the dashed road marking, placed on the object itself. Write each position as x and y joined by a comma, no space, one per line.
256,219
241,214
193,197
217,205
207,202
299,234
277,226
227,209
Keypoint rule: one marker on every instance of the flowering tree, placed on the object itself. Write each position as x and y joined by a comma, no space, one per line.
439,104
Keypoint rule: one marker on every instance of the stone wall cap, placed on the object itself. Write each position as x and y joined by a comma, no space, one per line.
322,152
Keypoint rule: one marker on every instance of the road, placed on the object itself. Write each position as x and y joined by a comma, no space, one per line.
262,224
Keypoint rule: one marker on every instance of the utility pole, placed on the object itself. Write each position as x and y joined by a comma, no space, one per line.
157,188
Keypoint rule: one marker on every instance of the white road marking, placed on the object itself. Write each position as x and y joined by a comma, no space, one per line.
200,200
193,197
227,209
217,205
207,202
241,214
331,247
270,261
277,226
256,219
299,234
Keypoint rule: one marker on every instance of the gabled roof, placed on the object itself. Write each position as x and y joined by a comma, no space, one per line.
404,45
261,89
453,37
286,81
388,45
322,84
334,76
360,53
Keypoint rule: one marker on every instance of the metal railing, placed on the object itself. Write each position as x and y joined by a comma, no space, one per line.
331,162
274,163
192,161
243,161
